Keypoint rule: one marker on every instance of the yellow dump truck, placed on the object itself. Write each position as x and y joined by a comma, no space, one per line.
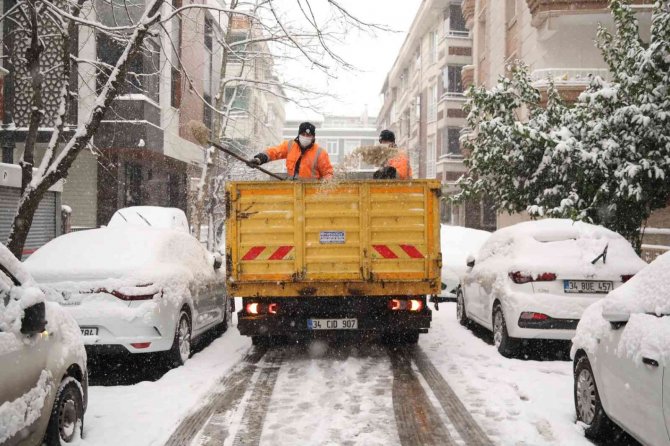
309,257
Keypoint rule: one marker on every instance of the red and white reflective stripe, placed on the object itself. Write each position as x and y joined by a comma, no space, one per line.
411,251
385,251
280,253
262,253
253,253
398,251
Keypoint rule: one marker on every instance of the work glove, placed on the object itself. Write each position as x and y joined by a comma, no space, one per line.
259,158
385,173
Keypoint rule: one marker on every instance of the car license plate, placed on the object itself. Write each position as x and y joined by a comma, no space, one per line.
89,331
332,324
587,286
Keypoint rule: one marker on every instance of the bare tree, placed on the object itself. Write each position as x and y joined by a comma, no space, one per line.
310,39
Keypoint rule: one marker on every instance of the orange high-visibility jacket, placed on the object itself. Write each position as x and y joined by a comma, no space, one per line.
315,161
402,166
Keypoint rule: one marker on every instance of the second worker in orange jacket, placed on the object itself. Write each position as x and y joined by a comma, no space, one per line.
304,158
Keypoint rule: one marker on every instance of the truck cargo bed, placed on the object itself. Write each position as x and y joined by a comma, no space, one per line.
351,238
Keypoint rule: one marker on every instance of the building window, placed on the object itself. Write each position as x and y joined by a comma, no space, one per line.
133,184
237,98
331,146
432,103
451,145
350,145
417,107
207,75
433,46
431,158
452,79
175,72
143,69
457,26
417,58
403,79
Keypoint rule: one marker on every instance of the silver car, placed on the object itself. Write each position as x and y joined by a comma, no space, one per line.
43,377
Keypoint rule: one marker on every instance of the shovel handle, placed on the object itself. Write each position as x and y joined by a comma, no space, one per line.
245,161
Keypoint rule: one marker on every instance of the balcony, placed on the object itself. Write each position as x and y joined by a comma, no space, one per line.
579,77
541,9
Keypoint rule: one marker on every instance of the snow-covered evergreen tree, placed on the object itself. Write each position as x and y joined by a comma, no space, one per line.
605,160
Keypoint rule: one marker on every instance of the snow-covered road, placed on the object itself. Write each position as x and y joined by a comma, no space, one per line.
343,394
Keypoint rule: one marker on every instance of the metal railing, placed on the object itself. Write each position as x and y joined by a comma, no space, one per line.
569,75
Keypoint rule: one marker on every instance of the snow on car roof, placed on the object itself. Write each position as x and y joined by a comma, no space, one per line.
150,216
116,252
560,246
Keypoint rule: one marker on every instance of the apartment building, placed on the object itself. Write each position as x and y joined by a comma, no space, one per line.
340,135
423,101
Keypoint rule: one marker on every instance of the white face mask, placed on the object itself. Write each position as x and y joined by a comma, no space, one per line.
305,140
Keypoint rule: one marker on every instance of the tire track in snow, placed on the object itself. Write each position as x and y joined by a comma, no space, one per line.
230,391
462,420
417,420
253,417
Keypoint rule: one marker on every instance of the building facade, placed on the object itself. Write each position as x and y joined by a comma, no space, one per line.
423,102
143,152
340,135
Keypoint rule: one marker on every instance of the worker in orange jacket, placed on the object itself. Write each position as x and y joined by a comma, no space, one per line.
398,167
304,158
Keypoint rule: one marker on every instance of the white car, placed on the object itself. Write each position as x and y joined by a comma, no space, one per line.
134,289
457,243
150,216
621,357
43,376
533,280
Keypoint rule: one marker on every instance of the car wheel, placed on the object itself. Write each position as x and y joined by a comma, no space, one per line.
181,346
587,401
66,423
460,309
501,340
260,341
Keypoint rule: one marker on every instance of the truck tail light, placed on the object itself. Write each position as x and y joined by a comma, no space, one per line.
252,308
415,305
272,308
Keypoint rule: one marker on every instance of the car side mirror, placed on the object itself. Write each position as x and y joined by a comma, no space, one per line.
218,261
616,319
470,261
34,319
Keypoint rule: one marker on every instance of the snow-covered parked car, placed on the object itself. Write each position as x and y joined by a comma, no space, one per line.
534,280
43,376
457,244
150,216
134,289
621,354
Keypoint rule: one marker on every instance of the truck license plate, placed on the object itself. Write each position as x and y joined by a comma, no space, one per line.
332,324
587,286
89,331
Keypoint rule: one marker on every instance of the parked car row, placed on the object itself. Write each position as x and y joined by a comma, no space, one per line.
127,288
581,283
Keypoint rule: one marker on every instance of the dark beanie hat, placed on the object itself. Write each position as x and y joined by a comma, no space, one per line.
307,127
387,135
